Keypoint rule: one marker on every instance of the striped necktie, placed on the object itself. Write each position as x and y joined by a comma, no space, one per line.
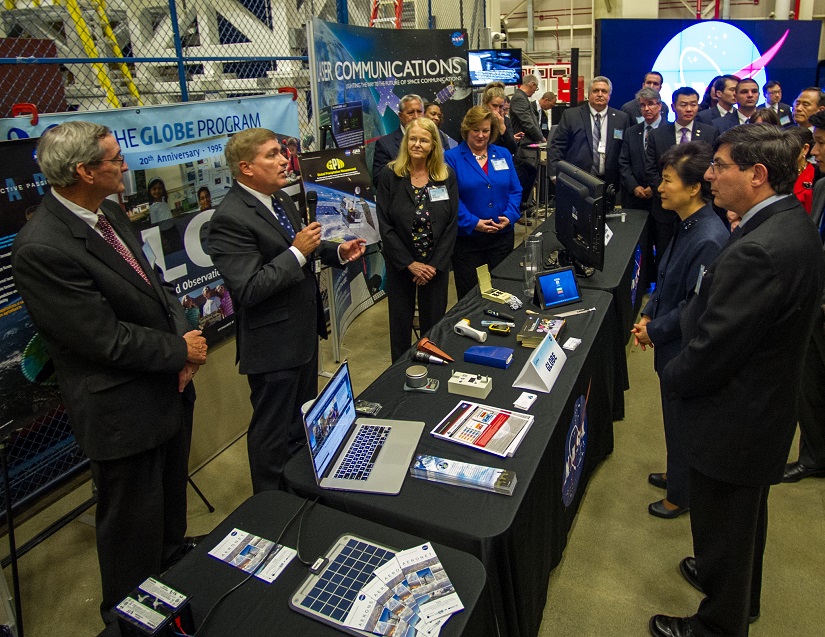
597,138
111,238
280,214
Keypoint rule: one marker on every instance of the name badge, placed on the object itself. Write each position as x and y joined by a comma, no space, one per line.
784,120
618,133
438,193
699,279
500,164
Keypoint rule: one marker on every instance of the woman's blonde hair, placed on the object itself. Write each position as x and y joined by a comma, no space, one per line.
436,167
474,117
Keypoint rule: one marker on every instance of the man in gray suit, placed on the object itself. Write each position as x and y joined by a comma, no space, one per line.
264,255
734,384
525,119
811,460
122,348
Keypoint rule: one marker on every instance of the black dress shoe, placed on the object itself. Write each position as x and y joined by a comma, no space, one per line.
796,471
659,509
687,567
666,626
658,480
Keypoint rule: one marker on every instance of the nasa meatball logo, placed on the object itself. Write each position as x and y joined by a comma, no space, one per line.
457,38
575,450
707,49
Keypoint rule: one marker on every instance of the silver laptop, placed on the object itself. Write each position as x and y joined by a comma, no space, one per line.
367,454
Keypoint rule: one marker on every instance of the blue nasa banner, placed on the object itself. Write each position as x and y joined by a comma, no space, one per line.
691,53
377,67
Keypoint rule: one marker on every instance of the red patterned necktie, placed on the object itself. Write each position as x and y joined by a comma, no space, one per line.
111,238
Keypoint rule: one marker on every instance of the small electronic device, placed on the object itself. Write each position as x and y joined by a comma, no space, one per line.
417,380
487,290
463,328
153,609
356,455
558,287
472,385
499,315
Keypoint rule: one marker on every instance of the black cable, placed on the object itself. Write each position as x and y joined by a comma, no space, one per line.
252,574
298,541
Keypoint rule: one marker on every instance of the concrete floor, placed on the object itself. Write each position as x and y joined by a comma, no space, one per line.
620,566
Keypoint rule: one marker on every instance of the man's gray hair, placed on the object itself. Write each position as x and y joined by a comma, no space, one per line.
63,147
530,79
601,78
410,97
648,93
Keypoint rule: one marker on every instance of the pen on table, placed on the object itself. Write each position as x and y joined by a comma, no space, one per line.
574,312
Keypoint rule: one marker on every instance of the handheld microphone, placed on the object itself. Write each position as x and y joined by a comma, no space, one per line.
312,205
423,357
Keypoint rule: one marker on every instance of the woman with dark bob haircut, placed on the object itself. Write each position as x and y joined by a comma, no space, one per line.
699,237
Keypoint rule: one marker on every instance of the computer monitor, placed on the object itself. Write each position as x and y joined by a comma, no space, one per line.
494,65
581,203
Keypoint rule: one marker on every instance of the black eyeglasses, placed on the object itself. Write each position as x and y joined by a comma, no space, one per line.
722,166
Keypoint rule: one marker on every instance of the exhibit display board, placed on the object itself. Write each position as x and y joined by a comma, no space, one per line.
377,67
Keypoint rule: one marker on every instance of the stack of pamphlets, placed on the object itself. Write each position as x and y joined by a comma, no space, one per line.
253,554
463,474
535,328
490,429
408,596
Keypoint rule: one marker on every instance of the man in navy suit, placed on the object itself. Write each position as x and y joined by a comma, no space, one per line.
733,388
386,148
264,256
773,100
686,129
591,137
525,120
122,348
636,192
724,89
811,460
747,94
632,108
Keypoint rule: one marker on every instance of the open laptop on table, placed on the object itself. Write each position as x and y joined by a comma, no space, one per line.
367,454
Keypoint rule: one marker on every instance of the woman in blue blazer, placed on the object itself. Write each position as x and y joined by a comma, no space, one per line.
489,197
699,237
417,205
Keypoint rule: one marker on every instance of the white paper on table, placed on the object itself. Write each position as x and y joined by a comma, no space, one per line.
428,582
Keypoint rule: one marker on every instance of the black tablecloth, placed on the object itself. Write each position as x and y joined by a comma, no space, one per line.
621,276
259,609
518,538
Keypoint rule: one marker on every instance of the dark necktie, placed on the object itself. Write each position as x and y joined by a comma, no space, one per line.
111,238
648,128
280,214
597,138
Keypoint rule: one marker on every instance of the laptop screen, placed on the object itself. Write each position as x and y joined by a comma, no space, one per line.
329,419
558,287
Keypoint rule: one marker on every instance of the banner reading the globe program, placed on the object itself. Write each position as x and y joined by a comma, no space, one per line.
377,67
176,176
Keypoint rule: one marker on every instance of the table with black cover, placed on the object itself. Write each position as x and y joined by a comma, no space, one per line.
258,609
622,276
518,538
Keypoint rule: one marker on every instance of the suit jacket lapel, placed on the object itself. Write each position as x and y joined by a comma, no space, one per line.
98,247
262,210
470,159
588,125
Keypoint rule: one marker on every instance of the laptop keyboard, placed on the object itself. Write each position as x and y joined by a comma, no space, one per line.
360,458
